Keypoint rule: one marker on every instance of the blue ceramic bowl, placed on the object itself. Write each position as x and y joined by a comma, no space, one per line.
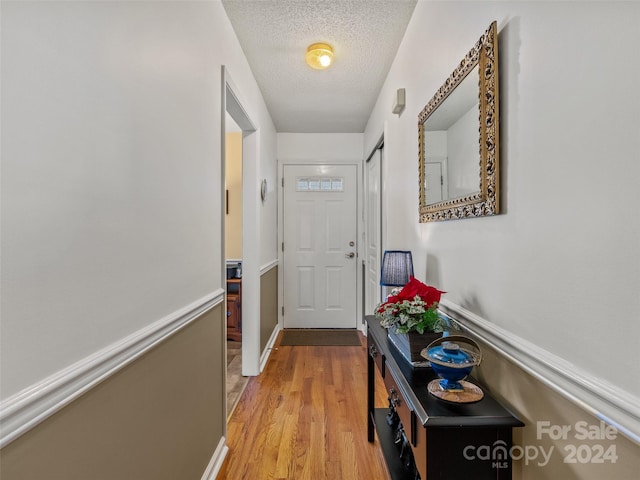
452,358
451,376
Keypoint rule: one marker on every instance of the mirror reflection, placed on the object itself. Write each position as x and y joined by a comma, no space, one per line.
452,169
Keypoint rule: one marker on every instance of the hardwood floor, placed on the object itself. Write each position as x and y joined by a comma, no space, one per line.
305,418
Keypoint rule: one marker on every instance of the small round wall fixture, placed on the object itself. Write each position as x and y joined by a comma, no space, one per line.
263,189
319,56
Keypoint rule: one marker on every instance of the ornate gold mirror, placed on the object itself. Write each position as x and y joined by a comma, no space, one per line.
458,139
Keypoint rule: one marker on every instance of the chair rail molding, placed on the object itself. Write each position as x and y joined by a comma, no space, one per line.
26,409
268,266
595,395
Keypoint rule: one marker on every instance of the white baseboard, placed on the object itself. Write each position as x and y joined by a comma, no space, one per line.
593,394
26,409
267,351
215,464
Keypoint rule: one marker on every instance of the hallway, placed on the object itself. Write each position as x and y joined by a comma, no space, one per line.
114,207
305,418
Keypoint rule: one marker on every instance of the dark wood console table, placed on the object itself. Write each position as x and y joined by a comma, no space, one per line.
445,438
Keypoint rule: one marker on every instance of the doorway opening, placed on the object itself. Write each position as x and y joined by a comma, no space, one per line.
240,275
236,382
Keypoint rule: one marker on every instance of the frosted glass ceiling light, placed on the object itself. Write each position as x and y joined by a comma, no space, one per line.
319,55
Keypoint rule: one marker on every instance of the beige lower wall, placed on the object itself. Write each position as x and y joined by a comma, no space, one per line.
532,401
268,305
159,418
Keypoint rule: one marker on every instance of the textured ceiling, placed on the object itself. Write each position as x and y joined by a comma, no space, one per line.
275,34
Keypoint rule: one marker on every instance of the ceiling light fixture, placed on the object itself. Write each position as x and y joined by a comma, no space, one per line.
319,55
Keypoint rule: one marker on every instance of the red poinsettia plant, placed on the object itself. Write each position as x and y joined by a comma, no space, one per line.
412,308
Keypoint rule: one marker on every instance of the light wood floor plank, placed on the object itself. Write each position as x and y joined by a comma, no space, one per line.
304,418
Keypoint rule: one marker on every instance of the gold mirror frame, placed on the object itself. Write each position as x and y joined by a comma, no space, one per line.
485,202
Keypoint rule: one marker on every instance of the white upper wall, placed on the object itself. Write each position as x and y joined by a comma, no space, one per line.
561,265
320,146
268,211
111,189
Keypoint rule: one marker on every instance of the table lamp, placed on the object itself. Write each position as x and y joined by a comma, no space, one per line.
397,268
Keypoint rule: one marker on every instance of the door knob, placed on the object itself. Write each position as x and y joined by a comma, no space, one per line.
350,255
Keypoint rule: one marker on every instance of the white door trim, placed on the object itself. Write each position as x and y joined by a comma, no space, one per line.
378,151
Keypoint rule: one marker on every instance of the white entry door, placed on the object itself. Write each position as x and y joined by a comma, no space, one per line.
320,256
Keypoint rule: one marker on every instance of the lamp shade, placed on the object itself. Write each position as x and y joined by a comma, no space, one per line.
397,268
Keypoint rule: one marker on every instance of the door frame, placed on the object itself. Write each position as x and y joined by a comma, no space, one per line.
359,230
233,105
379,146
